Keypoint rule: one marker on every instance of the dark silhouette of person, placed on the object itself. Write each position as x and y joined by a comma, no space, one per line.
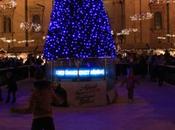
40,105
130,81
62,95
11,86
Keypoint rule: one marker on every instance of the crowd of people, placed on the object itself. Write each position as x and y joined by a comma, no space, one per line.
10,73
44,95
129,65
6,62
122,58
144,64
145,58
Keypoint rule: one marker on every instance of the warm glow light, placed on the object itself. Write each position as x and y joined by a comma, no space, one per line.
24,41
4,39
29,26
161,1
127,31
142,16
161,38
7,4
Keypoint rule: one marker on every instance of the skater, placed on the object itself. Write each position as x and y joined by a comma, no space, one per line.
40,105
11,86
61,94
130,82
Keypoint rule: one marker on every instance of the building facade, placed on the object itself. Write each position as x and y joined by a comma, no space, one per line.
13,34
155,32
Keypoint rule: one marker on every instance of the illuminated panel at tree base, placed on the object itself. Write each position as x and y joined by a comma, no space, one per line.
74,73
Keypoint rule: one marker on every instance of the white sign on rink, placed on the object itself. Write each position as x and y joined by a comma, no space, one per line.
91,93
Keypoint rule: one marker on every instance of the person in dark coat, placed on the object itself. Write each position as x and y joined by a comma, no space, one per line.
130,80
40,104
62,95
12,87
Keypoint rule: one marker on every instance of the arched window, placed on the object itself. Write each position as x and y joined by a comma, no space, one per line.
36,20
158,20
7,24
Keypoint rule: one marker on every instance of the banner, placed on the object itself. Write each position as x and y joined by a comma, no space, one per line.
92,93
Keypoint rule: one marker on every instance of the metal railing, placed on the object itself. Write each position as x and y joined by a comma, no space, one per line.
20,72
28,72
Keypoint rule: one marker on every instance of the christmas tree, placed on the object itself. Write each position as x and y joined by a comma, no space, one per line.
79,29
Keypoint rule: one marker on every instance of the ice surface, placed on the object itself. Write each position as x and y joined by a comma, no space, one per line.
153,109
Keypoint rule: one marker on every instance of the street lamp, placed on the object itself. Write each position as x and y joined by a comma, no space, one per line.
121,2
141,22
168,19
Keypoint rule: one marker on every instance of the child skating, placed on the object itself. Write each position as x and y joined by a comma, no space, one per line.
130,81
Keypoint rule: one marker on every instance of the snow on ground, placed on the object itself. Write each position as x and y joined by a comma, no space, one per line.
153,109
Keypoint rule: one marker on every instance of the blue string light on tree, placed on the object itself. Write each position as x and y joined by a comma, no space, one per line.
79,29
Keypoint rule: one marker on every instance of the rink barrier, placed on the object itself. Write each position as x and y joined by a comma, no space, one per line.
28,71
168,73
20,72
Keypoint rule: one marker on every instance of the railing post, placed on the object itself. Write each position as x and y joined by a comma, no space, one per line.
148,69
106,69
29,75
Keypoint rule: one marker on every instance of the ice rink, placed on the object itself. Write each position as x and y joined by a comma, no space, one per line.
153,109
